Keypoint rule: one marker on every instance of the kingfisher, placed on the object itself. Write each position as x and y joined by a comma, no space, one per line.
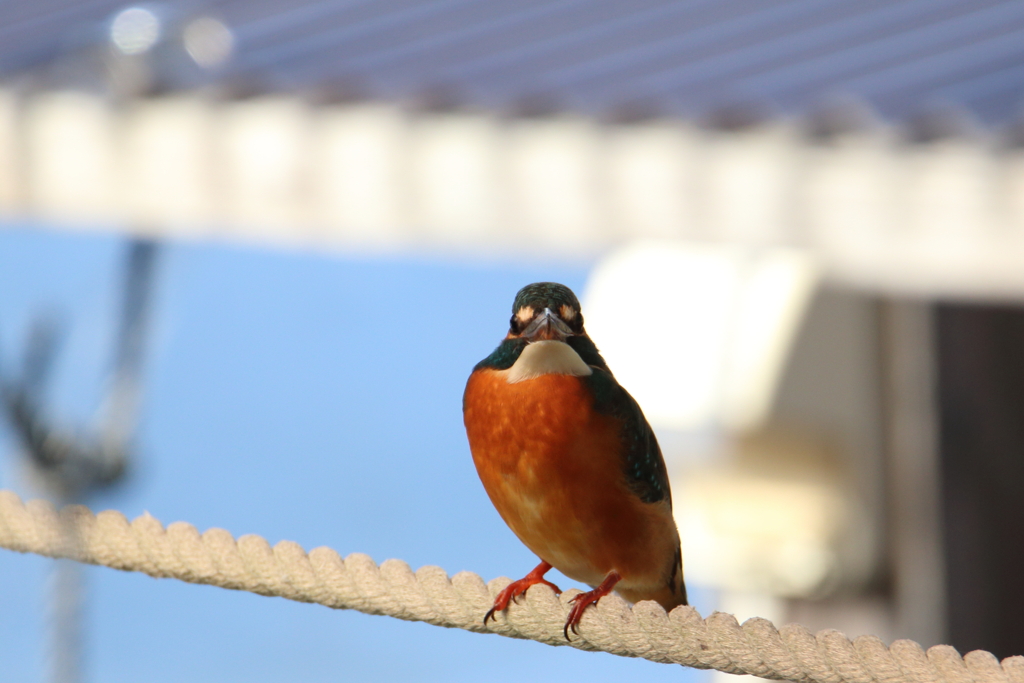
570,462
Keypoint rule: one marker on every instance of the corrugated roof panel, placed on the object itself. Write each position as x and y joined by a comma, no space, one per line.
762,55
691,56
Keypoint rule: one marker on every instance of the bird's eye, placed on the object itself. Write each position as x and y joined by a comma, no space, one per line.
513,325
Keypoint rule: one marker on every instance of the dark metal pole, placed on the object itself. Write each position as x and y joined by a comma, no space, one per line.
74,463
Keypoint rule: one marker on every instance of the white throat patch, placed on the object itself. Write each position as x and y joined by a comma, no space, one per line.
545,358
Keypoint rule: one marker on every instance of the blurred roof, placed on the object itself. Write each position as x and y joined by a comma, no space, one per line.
690,58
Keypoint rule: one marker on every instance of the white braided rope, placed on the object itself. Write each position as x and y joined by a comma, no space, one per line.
356,582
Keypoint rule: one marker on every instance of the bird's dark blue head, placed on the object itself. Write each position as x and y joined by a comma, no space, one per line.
546,310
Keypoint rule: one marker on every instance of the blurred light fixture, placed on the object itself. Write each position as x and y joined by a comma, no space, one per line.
135,30
769,535
775,517
698,332
208,41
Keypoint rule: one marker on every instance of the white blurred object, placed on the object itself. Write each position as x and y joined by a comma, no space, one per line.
769,535
775,515
775,291
699,333
135,30
208,41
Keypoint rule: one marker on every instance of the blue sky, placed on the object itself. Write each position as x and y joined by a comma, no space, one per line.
296,395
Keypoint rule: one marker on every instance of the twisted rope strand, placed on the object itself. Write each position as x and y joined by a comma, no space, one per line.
356,582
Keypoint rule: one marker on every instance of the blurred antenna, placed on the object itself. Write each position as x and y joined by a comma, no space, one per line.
120,413
73,463
39,353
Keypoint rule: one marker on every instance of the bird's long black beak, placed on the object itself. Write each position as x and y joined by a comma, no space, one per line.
546,325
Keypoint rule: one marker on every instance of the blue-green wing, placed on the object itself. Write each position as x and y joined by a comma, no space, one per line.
642,462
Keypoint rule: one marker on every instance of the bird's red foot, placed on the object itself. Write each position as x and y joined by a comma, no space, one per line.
585,600
512,591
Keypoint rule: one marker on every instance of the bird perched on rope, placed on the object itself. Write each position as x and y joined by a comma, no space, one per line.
569,460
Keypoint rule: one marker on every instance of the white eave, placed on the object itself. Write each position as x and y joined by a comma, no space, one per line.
942,219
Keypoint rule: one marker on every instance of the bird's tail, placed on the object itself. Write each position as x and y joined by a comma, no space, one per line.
676,588
670,595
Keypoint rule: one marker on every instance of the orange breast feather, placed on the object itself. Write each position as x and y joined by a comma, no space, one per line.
552,467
